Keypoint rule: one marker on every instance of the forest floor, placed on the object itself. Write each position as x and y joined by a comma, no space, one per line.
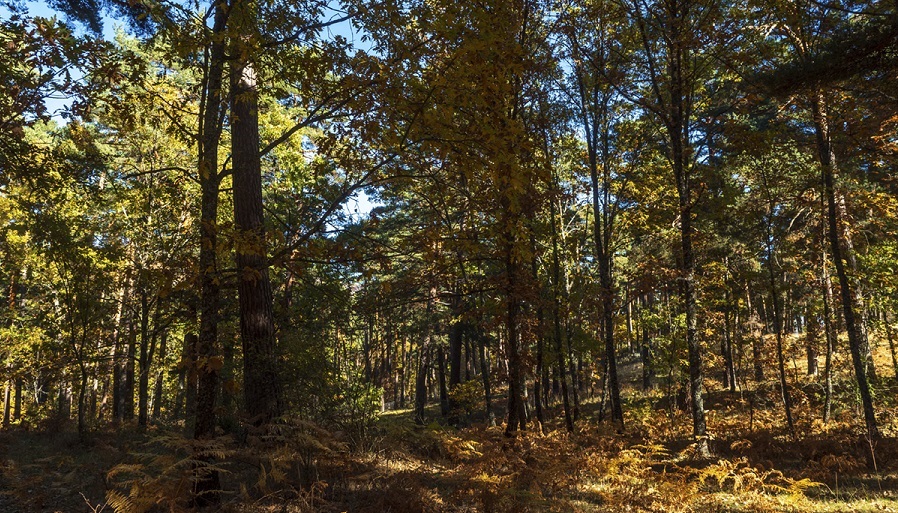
399,467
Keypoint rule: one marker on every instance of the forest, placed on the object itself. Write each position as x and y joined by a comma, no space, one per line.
443,255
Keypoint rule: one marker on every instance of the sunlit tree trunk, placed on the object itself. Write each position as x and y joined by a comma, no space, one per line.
842,252
7,396
830,336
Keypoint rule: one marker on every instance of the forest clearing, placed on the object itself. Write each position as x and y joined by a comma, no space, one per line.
448,255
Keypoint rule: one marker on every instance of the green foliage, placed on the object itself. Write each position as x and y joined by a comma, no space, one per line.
467,396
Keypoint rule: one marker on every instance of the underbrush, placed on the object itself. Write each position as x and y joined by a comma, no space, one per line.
392,465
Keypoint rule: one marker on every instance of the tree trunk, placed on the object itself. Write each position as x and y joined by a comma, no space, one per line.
485,375
82,400
130,377
456,343
830,335
517,419
890,336
540,338
424,357
144,360
17,401
441,378
470,355
647,364
261,384
778,328
841,251
687,270
556,316
206,487
455,346
753,322
64,402
160,376
118,355
421,385
402,374
607,286
7,396
728,356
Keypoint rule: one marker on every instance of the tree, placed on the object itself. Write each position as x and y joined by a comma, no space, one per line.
673,40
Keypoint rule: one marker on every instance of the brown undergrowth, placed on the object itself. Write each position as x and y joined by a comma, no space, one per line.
297,466
395,466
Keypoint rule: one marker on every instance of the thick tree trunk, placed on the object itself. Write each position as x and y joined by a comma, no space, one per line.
421,385
699,426
261,384
207,359
629,319
516,419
